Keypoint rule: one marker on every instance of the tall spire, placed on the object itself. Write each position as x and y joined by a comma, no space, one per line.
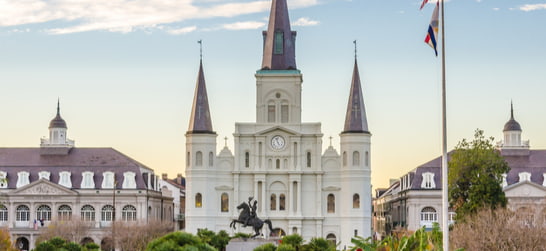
58,122
512,124
279,40
200,120
355,118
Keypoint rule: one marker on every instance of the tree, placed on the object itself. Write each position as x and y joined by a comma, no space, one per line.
294,240
319,244
475,176
179,241
135,236
5,241
74,230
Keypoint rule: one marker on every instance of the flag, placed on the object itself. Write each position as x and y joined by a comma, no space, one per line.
432,34
35,225
423,4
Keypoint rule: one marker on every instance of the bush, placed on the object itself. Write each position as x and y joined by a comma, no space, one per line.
286,247
266,247
293,240
179,241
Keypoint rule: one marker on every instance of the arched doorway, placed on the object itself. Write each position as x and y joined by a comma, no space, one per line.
86,241
331,238
106,244
22,244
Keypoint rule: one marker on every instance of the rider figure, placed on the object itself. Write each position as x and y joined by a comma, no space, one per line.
252,210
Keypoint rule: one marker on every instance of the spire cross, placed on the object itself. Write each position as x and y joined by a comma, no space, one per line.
200,42
354,42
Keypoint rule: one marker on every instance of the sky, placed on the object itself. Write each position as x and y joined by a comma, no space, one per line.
125,72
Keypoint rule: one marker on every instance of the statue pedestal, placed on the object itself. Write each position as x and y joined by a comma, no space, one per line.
240,244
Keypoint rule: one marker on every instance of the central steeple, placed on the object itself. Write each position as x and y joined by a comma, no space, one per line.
279,40
200,120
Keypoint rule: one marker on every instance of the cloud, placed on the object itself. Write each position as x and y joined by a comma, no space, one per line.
531,7
496,9
182,31
305,21
250,25
69,16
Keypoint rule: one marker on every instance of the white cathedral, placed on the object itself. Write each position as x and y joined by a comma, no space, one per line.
278,159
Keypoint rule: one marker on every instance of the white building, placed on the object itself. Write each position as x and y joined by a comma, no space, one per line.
278,159
59,182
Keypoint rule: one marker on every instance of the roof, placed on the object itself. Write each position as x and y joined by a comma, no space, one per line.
512,124
277,56
355,118
57,122
77,161
200,120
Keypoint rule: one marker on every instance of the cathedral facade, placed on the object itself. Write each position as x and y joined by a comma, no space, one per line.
279,160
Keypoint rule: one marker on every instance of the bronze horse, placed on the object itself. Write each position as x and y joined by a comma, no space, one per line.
256,223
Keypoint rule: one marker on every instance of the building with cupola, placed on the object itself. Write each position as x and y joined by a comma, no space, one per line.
414,200
278,159
61,183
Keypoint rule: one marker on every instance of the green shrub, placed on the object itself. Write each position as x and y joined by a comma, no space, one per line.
286,247
266,247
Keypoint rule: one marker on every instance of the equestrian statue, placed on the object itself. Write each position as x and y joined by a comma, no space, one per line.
248,217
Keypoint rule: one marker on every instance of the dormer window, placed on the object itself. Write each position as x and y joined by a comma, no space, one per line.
87,180
44,175
64,179
504,182
3,179
22,179
108,180
544,180
129,180
524,176
428,181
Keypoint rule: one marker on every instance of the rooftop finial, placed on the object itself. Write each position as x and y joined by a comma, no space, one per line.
511,110
225,139
58,106
200,42
354,42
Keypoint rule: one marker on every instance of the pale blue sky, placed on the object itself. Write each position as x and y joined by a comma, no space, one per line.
125,71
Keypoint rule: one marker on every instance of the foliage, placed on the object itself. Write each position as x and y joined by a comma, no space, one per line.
499,229
241,235
135,236
294,240
475,176
92,246
420,240
58,244
319,244
286,247
5,240
179,241
219,241
266,247
74,230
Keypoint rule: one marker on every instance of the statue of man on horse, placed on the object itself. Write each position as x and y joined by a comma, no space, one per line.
248,217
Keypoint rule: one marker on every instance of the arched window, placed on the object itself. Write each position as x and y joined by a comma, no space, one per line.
331,203
308,159
284,113
22,213
428,216
198,200
88,213
356,200
367,158
273,204
128,213
331,238
247,159
3,213
198,158
64,213
344,158
271,113
107,213
211,159
356,158
43,213
224,201
282,202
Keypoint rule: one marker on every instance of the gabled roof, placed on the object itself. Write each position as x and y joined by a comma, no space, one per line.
43,187
355,118
279,40
200,120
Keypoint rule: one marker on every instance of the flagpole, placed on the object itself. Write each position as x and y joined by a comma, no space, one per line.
445,203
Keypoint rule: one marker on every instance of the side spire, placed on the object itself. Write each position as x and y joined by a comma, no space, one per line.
355,118
279,40
200,120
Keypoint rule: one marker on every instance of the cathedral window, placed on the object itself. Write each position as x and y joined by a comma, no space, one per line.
129,180
524,176
279,42
356,200
3,179
308,159
198,200
224,202
211,159
428,180
198,158
356,158
247,159
344,158
271,113
331,205
3,213
128,213
278,164
273,204
284,113
88,213
43,213
107,213
22,179
87,180
64,179
108,180
44,175
22,213
64,213
282,202
367,158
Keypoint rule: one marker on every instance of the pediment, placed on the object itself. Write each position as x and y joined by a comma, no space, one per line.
43,187
525,189
331,188
278,128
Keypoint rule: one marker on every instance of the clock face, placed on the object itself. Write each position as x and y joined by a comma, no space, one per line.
277,142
